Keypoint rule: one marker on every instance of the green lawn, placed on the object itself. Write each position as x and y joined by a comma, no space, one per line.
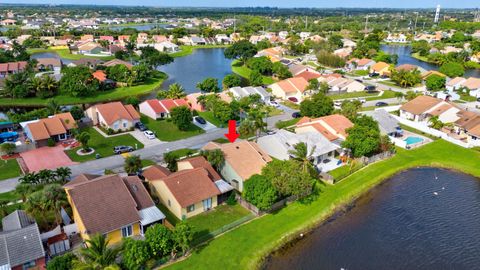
386,94
65,53
166,131
112,95
291,105
247,245
9,169
364,94
360,72
467,98
184,152
10,196
147,162
221,140
186,49
222,215
286,123
208,115
244,72
275,112
103,146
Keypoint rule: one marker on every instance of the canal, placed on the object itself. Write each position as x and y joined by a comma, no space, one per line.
423,218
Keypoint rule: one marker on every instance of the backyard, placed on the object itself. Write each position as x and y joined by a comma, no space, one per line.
256,239
9,168
244,72
103,146
64,52
167,131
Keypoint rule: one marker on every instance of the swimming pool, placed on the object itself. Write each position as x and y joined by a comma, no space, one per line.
413,140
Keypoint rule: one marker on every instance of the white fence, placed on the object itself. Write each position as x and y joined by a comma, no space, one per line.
46,235
437,133
398,142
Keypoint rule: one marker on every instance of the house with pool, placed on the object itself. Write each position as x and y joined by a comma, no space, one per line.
422,108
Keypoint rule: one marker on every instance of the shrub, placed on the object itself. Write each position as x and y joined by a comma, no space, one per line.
50,142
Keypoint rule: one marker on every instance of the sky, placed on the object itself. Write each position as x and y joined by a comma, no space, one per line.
270,3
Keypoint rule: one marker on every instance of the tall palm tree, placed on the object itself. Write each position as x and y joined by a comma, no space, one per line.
46,176
49,85
97,254
23,190
176,91
52,106
55,199
35,85
301,154
63,174
30,178
36,205
133,164
435,122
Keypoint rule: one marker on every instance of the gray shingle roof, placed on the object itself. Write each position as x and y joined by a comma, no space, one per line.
16,220
387,123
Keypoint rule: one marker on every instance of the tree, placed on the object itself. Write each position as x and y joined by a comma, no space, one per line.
421,47
119,73
316,106
231,80
77,112
171,159
55,199
8,148
140,73
255,78
435,82
435,122
452,69
63,262
175,91
330,59
288,178
304,156
209,85
160,240
183,235
259,191
215,157
23,190
132,100
241,50
350,108
411,95
63,174
78,81
313,84
363,138
153,58
406,78
324,87
133,164
53,106
181,117
261,64
223,111
83,138
135,253
281,71
399,96
97,254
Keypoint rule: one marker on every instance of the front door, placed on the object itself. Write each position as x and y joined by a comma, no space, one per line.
207,204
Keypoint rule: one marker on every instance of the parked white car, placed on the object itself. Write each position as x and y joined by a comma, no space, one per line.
149,134
274,104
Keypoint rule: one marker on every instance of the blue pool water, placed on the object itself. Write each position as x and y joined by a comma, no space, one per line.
413,140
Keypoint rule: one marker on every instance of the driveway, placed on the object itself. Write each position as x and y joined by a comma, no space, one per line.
137,134
46,158
207,127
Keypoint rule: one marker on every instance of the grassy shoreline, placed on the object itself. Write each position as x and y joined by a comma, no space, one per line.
65,53
244,72
258,239
187,50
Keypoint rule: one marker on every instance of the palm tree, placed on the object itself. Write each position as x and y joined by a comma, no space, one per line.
30,178
3,207
214,157
52,106
36,205
35,84
83,138
23,190
133,164
176,91
97,254
63,174
46,176
49,85
301,154
55,199
435,122
247,127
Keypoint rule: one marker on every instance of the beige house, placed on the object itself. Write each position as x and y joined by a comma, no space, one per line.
113,115
292,88
332,127
422,108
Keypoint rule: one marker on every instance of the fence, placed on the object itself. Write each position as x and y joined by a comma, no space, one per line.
56,231
437,133
276,206
223,229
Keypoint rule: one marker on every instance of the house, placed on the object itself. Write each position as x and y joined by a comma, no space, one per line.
343,52
113,115
309,75
380,68
20,243
194,40
192,99
473,85
240,92
90,47
91,63
12,68
167,46
296,69
455,83
422,108
57,128
100,75
159,38
279,144
87,38
473,136
292,88
388,124
159,109
242,160
111,205
343,84
360,64
332,127
115,62
396,38
348,43
110,39
54,64
195,188
142,38
467,121
8,22
274,53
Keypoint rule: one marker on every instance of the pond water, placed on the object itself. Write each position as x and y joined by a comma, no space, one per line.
194,68
423,218
404,57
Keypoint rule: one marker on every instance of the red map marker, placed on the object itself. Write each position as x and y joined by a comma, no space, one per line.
232,134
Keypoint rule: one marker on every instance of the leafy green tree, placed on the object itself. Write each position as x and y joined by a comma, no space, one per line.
313,84
97,254
183,236
259,191
215,157
8,148
181,117
281,71
241,50
255,78
209,85
263,44
231,80
23,190
55,199
435,82
410,95
330,59
363,138
171,159
406,78
222,111
175,91
53,106
77,112
351,108
324,87
140,73
118,73
160,240
62,174
135,254
133,164
316,106
78,81
421,47
435,122
452,69
132,100
62,262
288,178
84,138
261,64
153,58
17,85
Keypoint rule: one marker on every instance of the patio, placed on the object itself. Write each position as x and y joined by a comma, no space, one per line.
332,164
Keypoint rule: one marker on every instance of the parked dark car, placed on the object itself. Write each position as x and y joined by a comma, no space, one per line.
122,149
200,120
478,99
381,104
293,99
370,88
140,126
296,115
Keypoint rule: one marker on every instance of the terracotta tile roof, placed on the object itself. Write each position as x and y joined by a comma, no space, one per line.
472,83
55,62
406,67
201,162
38,131
326,124
467,119
115,111
293,85
441,109
327,134
191,186
245,157
363,62
114,62
82,178
420,104
455,81
475,131
168,104
13,66
99,75
379,66
106,203
309,75
156,106
67,120
48,127
155,172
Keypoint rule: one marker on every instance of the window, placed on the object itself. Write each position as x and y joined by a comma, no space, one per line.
124,124
169,204
207,204
127,231
190,208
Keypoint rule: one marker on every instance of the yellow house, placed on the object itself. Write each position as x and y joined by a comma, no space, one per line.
111,205
380,68
194,189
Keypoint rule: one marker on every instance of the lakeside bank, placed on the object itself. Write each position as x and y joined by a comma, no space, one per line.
247,246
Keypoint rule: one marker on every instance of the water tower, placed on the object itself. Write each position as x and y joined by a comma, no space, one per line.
437,14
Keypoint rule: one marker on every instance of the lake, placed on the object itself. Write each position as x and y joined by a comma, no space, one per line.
404,57
194,68
401,224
